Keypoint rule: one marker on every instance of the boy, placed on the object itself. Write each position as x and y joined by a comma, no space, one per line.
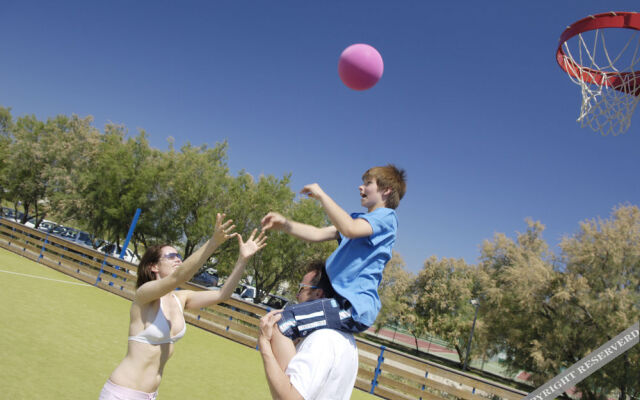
355,267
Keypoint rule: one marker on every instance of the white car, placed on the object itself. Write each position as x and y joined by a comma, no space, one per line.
245,292
45,224
74,235
114,251
11,214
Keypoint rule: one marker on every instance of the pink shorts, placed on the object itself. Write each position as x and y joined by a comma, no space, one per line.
111,391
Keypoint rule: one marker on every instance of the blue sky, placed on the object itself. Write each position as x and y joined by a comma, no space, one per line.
472,103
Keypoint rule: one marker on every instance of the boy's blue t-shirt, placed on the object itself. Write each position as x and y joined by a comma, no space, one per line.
355,267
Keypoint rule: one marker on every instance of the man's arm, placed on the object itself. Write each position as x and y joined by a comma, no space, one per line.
279,384
342,221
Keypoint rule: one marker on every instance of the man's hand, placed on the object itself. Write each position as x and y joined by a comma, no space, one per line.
279,384
267,324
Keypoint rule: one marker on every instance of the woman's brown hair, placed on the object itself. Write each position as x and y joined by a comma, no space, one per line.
150,258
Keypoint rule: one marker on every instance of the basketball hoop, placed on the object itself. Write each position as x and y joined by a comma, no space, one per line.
609,78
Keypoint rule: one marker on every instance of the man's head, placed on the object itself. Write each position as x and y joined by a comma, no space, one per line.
391,181
315,283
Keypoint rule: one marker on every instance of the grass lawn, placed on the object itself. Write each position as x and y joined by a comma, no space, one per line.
61,338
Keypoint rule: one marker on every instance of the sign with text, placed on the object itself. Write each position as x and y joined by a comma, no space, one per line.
588,365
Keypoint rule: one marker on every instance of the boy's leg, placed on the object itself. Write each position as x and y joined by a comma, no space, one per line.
283,348
299,320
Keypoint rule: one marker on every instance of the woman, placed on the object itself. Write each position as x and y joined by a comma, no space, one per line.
157,318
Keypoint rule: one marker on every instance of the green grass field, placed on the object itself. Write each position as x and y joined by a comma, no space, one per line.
61,338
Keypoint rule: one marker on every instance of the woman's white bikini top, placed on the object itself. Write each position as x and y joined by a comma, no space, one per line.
159,331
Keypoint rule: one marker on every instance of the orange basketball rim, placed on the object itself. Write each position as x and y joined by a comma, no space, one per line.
609,79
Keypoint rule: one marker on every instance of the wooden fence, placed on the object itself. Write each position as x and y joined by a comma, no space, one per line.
383,372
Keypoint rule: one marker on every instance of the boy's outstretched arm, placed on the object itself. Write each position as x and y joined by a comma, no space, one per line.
342,221
310,233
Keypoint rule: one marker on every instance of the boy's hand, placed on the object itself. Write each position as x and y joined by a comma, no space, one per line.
273,220
223,230
251,246
313,190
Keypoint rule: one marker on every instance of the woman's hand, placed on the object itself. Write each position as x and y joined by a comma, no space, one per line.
223,229
252,245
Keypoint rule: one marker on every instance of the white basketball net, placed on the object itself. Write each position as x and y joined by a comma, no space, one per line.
605,109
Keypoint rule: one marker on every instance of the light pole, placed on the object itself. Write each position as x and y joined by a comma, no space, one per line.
475,303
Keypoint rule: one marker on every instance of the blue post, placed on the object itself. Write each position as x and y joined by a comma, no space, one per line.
230,319
104,261
426,375
132,227
44,243
374,382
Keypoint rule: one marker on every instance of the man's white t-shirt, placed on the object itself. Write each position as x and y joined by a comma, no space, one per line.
325,365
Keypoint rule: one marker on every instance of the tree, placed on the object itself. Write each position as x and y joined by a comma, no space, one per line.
6,129
26,182
546,313
69,148
187,189
518,283
397,298
103,193
602,276
284,259
443,291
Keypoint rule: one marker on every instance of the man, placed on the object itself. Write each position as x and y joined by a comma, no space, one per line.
326,363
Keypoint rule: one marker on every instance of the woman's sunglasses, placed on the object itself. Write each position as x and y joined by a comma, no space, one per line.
172,256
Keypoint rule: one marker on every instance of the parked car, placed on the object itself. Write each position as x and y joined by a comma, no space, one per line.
207,277
44,226
47,226
59,230
11,214
84,239
245,292
31,222
274,301
73,235
114,251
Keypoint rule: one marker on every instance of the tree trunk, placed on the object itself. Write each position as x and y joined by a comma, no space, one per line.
623,386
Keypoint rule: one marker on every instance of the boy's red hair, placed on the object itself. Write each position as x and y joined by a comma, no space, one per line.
389,177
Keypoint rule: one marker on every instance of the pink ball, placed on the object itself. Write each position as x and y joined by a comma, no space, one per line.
360,66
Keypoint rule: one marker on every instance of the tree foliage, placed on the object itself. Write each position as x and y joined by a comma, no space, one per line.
25,167
444,289
285,258
546,313
189,187
398,298
6,129
602,281
70,146
518,281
